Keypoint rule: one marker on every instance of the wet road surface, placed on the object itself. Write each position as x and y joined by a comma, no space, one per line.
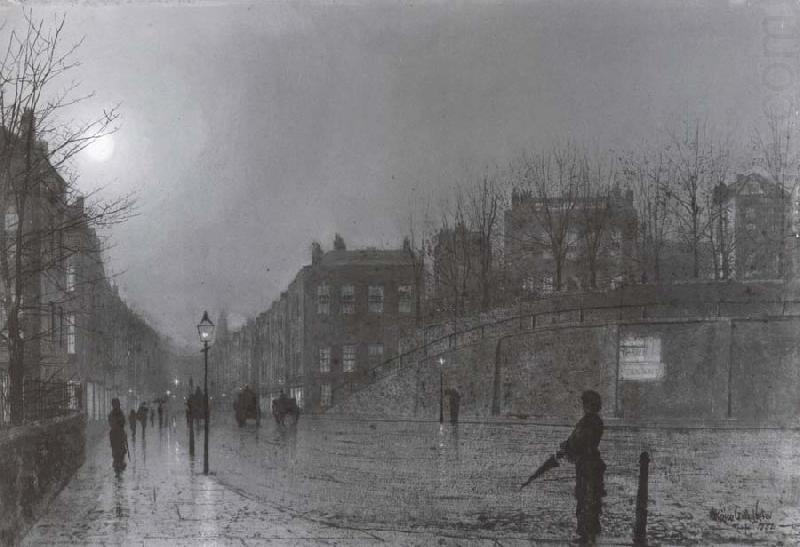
332,481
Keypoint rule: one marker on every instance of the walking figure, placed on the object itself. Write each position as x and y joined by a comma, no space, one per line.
132,424
142,415
160,414
152,417
581,448
117,436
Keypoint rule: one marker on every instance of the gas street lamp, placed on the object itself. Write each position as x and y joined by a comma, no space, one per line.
206,331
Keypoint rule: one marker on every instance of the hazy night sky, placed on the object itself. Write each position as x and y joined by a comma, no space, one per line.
250,130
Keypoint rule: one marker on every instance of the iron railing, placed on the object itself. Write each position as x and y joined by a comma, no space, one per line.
41,399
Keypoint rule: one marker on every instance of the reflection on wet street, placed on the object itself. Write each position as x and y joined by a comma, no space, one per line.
465,478
417,483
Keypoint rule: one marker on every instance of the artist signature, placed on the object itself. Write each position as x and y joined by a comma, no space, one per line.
745,520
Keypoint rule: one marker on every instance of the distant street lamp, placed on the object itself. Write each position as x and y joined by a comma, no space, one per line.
206,331
441,390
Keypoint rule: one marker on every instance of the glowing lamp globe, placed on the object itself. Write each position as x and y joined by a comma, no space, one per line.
206,328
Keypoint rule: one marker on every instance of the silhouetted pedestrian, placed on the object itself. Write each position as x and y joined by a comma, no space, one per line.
117,436
582,448
142,415
152,417
160,414
132,423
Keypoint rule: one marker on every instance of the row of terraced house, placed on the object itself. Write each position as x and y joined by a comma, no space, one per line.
341,315
80,337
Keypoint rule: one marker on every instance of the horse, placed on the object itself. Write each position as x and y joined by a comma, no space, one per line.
246,406
283,407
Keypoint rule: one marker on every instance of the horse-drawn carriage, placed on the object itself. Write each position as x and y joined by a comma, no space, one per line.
246,406
285,406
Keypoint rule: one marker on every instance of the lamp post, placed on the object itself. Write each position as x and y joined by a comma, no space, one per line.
206,331
190,418
441,390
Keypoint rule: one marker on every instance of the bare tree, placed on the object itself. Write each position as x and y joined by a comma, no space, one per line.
454,258
38,194
487,200
594,214
648,174
551,179
696,158
416,245
775,149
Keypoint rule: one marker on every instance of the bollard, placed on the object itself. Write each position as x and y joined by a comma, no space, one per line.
640,527
191,438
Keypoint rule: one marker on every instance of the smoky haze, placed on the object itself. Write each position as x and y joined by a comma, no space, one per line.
249,131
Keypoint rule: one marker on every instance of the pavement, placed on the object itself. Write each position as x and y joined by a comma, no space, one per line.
162,498
339,482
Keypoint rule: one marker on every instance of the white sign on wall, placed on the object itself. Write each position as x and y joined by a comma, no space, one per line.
640,359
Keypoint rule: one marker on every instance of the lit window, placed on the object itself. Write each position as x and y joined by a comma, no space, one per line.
70,276
71,333
376,351
348,299
325,395
324,359
349,358
404,295
11,219
297,394
547,284
323,299
376,298
529,284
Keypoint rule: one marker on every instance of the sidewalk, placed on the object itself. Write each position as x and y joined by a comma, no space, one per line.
163,498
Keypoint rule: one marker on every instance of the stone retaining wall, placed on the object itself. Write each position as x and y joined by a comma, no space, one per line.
36,462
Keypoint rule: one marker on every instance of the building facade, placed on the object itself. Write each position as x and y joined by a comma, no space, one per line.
74,327
341,316
753,229
595,237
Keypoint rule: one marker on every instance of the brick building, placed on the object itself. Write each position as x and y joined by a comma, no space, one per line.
753,228
531,266
341,315
75,327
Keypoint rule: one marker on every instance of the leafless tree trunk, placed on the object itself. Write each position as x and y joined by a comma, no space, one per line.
593,212
486,203
453,258
776,150
648,175
552,179
695,159
36,151
417,245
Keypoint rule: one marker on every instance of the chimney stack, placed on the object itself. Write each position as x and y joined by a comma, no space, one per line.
316,252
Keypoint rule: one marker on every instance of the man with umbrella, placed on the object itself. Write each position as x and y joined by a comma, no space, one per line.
581,448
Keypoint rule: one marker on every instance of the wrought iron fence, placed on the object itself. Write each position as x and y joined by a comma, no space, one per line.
41,399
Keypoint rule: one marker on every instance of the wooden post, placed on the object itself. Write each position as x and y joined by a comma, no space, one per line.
640,527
